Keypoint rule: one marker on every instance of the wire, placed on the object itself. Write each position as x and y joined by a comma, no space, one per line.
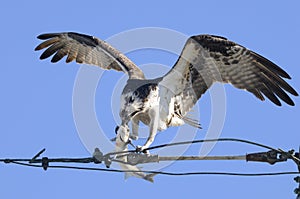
160,172
199,141
212,140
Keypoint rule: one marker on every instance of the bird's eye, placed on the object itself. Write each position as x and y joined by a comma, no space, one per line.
116,129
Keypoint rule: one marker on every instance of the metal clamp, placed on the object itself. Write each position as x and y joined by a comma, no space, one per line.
270,157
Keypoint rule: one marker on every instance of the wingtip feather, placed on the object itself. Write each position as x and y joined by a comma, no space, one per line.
47,36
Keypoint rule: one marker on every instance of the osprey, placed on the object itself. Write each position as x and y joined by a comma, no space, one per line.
163,102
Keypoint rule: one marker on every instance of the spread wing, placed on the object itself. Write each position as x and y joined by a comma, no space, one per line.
206,59
88,50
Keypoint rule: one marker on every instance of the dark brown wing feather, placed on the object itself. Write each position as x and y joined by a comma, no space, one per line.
206,59
88,50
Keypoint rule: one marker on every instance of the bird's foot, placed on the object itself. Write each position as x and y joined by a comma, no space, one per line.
141,149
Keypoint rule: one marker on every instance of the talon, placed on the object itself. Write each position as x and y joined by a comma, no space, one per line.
139,149
130,143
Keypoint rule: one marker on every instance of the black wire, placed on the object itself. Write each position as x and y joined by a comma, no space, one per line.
199,141
212,140
160,172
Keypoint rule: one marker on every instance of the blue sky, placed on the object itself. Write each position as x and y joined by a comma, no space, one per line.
36,96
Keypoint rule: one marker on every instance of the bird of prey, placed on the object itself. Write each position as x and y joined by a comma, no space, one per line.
165,101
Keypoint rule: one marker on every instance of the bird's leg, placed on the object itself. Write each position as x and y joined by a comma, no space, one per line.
134,129
154,115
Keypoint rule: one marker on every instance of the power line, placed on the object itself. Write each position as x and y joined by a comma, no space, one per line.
160,172
199,141
133,157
